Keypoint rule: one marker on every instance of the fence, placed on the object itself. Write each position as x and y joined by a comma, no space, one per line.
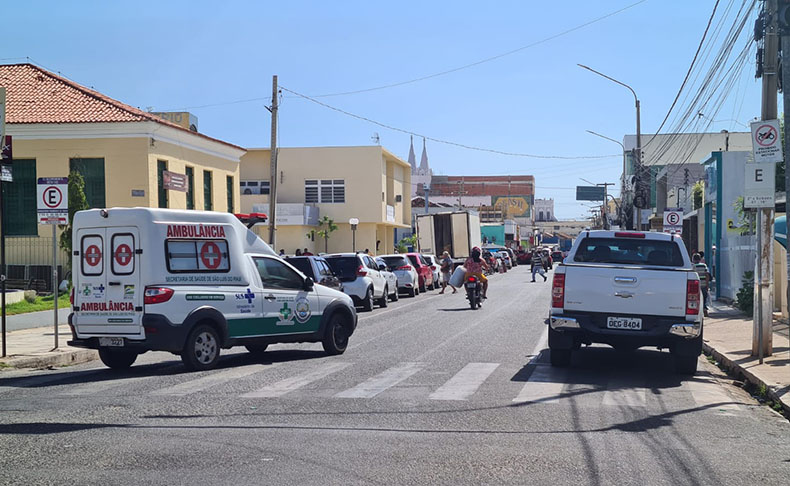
30,258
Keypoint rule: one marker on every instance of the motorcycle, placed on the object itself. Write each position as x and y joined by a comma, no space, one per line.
473,288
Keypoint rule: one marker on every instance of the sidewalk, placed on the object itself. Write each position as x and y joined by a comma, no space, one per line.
33,348
728,338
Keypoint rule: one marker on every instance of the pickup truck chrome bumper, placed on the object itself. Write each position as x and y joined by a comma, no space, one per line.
687,330
558,323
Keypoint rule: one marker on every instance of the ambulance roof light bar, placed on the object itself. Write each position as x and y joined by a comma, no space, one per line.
252,219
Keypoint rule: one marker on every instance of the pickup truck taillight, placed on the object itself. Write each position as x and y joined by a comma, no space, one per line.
692,297
157,295
558,291
361,272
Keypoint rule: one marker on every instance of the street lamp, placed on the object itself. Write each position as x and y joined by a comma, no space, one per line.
353,222
622,179
638,123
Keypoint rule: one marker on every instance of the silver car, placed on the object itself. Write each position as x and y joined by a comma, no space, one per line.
361,278
408,280
392,279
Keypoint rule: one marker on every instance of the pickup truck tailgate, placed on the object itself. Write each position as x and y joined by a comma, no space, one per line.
627,290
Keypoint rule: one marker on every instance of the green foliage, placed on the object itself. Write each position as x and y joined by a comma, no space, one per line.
77,202
745,296
406,242
746,223
697,193
327,227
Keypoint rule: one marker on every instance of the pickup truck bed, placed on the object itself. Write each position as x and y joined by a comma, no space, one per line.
627,290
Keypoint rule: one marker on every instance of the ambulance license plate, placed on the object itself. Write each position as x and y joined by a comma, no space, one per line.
113,342
627,323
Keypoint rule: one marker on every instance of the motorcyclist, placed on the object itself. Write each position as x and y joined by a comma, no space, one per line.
475,265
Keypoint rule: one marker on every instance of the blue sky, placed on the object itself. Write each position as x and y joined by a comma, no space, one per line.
189,54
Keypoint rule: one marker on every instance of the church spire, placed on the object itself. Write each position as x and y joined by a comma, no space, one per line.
412,157
424,169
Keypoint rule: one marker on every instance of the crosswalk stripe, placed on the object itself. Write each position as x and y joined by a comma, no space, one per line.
465,382
377,384
708,393
295,382
545,385
199,384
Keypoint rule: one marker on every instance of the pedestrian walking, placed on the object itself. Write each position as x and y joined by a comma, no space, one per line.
538,265
447,271
704,280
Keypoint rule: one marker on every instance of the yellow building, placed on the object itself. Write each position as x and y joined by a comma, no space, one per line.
367,183
58,126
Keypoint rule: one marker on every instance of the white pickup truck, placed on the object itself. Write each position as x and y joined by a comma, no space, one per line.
627,290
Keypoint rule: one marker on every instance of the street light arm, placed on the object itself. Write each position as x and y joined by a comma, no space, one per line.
605,137
636,99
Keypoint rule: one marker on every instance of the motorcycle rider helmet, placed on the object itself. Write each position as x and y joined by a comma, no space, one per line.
476,254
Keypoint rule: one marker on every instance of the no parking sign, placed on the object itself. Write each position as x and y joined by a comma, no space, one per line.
53,200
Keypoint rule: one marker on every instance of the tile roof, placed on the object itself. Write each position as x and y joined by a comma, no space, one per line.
35,95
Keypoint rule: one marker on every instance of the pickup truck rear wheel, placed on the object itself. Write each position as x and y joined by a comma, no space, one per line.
117,359
685,365
201,351
336,335
560,357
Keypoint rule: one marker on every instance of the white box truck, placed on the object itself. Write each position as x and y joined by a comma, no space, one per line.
191,282
456,232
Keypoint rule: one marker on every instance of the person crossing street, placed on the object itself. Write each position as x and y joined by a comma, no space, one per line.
538,265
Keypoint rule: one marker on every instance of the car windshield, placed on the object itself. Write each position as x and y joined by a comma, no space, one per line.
395,261
343,266
302,264
629,251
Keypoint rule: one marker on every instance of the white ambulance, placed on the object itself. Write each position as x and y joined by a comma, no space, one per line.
191,282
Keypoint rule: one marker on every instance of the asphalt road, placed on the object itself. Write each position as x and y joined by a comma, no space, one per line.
429,392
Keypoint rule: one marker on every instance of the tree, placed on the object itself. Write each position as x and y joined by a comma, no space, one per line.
328,226
405,242
697,193
77,202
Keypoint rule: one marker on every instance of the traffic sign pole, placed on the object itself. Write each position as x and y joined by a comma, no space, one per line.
53,209
55,278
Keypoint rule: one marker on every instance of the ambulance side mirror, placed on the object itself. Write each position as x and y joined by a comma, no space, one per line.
308,284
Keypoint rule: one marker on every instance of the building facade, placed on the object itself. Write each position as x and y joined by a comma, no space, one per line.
544,210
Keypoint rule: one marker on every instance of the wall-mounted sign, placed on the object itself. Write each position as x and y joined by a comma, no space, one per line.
759,185
174,181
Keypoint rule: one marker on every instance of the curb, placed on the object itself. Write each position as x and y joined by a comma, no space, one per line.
53,358
739,371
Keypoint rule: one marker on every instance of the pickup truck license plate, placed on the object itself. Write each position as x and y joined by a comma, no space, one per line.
628,323
114,342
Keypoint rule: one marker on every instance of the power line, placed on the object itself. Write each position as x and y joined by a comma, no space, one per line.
483,61
446,142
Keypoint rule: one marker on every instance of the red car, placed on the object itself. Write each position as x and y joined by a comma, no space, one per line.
424,271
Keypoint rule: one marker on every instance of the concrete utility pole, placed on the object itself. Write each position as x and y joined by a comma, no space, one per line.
786,98
2,228
273,166
763,323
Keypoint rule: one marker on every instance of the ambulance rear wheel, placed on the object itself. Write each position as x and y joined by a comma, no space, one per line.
336,335
117,359
201,351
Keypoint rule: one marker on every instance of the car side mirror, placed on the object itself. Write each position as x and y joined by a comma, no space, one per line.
308,284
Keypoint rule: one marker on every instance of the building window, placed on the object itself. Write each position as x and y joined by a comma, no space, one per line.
207,196
161,167
92,171
254,187
229,184
19,200
190,173
548,215
324,191
540,216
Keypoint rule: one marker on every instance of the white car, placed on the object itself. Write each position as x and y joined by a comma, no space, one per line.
437,270
362,280
408,280
392,279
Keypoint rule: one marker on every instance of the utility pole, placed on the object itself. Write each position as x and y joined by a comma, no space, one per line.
762,338
461,193
2,227
786,98
273,167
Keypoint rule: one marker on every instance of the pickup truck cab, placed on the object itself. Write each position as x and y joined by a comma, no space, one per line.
627,290
192,283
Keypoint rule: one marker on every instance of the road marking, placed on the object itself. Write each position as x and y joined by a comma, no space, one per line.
624,395
710,394
465,382
41,379
199,384
92,388
295,382
545,385
377,384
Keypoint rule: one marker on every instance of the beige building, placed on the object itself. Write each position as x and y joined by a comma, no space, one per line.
367,183
58,126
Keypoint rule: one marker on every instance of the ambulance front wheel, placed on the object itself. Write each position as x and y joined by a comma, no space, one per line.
117,359
201,351
336,335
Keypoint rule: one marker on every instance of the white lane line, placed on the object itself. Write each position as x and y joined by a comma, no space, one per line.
545,385
624,395
199,384
709,393
377,384
295,382
465,382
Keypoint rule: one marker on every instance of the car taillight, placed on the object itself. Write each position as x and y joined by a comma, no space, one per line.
71,296
361,272
692,297
405,267
558,291
157,295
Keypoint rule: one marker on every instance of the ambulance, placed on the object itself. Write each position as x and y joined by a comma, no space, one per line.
191,283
